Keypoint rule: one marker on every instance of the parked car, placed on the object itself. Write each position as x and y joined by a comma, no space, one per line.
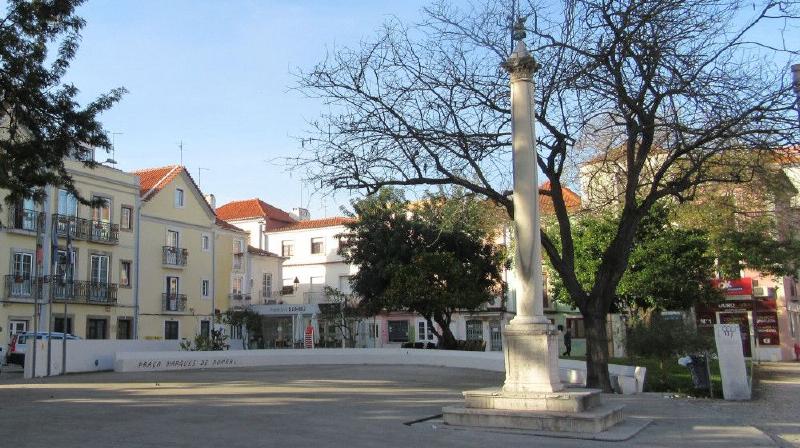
19,344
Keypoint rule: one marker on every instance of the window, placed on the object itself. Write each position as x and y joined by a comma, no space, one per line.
236,284
124,328
205,243
170,329
126,218
238,246
125,274
99,269
205,288
22,285
102,212
344,284
178,197
316,246
374,330
67,203
474,330
398,330
96,328
24,216
173,286
58,324
287,248
205,328
23,265
173,238
266,285
424,332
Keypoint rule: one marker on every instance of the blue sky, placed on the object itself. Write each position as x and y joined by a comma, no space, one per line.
216,75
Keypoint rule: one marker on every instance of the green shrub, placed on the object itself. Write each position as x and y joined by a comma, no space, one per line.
665,339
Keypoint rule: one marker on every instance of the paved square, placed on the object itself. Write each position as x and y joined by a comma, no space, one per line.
349,406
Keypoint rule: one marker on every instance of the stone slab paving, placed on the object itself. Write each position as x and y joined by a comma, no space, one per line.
348,406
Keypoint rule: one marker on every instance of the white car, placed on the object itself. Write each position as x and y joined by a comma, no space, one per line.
19,344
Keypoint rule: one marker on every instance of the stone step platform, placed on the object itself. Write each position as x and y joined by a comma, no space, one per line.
567,400
596,420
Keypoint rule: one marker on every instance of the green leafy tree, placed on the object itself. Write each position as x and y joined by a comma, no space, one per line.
344,312
670,267
750,225
248,320
41,121
410,258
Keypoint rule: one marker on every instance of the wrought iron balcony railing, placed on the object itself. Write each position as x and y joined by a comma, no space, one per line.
20,286
81,291
174,256
24,219
76,291
173,302
86,229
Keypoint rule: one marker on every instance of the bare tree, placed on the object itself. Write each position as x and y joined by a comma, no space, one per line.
671,86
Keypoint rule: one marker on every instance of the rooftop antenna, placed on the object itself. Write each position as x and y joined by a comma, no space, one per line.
200,170
180,145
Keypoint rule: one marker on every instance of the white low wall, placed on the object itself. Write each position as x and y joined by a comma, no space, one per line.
626,379
89,355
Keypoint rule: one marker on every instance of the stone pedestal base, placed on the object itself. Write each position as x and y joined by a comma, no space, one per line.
532,397
573,411
531,355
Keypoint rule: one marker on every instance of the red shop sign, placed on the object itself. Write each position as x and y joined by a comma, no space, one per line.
735,287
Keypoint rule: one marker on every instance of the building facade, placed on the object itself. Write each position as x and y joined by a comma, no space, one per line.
92,293
177,252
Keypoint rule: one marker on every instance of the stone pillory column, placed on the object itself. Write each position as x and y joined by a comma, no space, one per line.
532,396
530,343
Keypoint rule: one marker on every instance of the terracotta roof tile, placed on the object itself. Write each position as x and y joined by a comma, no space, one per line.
152,180
571,199
316,223
228,226
255,208
261,252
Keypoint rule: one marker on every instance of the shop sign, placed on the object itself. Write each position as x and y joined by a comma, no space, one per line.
767,328
286,309
736,287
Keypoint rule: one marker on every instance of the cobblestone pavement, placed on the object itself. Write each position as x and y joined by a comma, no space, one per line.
349,406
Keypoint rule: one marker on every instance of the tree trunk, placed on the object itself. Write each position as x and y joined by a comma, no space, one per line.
597,350
447,341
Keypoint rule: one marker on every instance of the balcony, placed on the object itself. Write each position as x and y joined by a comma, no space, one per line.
175,303
239,300
86,229
314,297
174,256
84,292
25,220
20,287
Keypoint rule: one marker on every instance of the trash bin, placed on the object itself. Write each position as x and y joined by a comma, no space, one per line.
697,366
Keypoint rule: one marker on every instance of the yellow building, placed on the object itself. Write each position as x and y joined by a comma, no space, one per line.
177,245
98,283
229,266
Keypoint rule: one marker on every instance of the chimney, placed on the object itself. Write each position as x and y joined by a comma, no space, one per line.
212,201
300,214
